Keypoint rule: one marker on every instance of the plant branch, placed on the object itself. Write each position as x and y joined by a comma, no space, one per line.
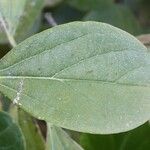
9,36
50,19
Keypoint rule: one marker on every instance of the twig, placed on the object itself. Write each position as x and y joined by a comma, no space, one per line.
50,19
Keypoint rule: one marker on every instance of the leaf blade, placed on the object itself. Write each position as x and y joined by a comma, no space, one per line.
82,71
31,131
59,139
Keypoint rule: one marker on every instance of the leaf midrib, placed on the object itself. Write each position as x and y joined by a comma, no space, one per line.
63,80
72,79
76,63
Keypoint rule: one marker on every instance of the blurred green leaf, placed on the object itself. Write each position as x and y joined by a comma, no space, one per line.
142,9
118,16
65,14
30,129
80,69
19,18
86,5
137,139
5,102
57,139
10,135
133,4
97,142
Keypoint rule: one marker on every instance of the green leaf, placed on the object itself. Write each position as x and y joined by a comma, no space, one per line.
137,139
116,15
59,139
5,102
134,4
10,135
19,18
31,131
65,13
97,142
86,5
84,76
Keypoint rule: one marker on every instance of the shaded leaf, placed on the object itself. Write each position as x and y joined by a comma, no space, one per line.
4,49
84,76
140,7
32,134
137,139
134,4
10,135
64,14
96,142
116,15
86,5
58,139
5,103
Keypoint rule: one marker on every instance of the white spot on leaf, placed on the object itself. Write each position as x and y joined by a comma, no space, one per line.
16,100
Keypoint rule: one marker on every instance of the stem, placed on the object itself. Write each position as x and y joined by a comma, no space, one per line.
9,36
50,19
49,138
